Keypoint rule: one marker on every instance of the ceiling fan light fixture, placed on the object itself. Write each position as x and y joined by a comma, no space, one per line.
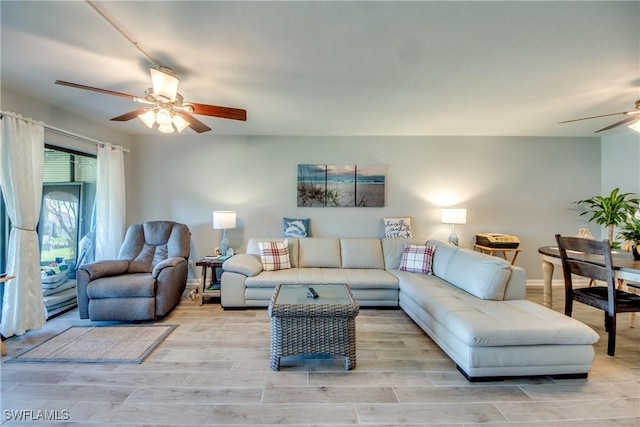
148,118
179,122
166,129
164,82
163,117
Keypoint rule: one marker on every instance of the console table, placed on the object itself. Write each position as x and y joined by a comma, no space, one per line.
503,251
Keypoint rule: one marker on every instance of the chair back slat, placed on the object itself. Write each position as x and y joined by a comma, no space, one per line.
588,270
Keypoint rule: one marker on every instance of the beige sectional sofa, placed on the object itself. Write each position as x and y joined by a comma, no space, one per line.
473,305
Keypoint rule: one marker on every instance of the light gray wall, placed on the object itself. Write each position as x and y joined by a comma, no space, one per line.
621,163
519,185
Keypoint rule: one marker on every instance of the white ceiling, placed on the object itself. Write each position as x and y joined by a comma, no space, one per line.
339,68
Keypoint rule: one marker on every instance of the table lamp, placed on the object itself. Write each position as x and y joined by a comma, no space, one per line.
224,220
454,216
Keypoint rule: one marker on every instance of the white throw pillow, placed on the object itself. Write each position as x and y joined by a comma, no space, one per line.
397,227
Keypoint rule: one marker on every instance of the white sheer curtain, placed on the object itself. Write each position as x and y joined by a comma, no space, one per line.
21,171
110,202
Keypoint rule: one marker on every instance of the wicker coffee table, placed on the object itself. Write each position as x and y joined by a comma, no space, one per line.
303,325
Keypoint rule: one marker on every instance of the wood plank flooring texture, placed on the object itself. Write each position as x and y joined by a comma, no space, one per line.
214,370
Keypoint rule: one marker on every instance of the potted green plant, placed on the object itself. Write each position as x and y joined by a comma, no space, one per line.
630,232
610,211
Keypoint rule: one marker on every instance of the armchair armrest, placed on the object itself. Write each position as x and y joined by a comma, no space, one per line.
105,268
169,262
246,264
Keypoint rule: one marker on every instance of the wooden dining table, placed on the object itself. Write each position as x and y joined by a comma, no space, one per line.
626,268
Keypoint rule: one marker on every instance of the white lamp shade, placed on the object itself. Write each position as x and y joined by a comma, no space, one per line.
164,84
179,122
635,125
148,118
163,117
454,216
224,219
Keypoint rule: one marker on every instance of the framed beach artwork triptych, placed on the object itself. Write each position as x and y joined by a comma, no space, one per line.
341,185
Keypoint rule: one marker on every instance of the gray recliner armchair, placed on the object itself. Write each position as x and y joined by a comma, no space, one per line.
145,282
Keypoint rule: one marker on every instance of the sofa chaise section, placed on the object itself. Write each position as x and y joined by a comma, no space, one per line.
478,315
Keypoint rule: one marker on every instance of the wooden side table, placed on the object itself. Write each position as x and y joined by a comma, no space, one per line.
3,350
503,251
212,288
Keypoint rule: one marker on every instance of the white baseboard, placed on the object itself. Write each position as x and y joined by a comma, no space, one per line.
556,282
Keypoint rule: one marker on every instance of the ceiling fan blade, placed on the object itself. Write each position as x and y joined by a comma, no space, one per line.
96,89
216,111
621,122
130,115
595,117
194,123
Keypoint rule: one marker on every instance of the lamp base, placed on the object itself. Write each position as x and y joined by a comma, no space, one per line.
453,237
224,243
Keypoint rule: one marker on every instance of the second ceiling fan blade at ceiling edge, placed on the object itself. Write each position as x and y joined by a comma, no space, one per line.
621,122
595,117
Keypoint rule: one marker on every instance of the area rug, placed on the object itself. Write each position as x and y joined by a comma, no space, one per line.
99,344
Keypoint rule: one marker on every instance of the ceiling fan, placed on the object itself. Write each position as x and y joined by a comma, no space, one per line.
165,106
633,116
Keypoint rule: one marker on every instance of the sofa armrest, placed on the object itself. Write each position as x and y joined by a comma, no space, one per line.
105,268
246,264
169,262
516,285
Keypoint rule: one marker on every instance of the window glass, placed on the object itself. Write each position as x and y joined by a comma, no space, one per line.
68,197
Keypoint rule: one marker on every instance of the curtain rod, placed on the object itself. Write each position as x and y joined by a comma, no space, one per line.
67,133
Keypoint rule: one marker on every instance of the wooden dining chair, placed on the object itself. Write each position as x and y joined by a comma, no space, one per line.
592,259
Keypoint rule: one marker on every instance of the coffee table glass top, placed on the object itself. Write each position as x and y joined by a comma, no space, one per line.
327,294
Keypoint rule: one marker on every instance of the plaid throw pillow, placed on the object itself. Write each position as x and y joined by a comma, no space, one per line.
274,255
417,259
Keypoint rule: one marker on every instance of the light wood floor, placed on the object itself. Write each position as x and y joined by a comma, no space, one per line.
214,369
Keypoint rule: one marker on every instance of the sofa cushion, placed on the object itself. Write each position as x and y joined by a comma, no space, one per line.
361,253
130,285
319,252
481,275
442,257
417,259
393,248
274,255
356,278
